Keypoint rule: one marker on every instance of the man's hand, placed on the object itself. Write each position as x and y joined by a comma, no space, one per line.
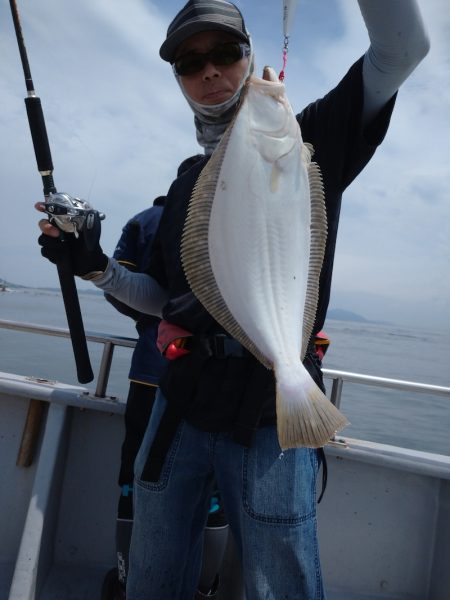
85,253
270,75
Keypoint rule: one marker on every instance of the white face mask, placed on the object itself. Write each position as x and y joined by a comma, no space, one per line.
211,120
213,111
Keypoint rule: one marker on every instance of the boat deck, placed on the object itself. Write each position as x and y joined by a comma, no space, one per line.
384,522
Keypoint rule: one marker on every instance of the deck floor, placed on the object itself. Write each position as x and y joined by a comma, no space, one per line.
76,583
6,573
69,583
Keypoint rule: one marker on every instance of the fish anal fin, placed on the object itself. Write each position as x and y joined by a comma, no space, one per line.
317,250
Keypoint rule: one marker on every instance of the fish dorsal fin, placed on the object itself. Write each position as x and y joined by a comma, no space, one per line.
195,249
317,248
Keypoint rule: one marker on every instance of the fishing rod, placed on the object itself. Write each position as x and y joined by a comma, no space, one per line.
71,215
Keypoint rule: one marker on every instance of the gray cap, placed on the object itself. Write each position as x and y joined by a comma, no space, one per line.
203,15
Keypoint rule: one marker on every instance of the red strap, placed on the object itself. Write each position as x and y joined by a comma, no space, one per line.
167,333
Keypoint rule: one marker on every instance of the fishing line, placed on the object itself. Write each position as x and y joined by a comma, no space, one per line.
289,8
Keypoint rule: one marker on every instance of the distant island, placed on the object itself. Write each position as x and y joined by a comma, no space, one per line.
7,286
340,314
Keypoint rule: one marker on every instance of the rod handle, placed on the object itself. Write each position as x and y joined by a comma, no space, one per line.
74,319
39,134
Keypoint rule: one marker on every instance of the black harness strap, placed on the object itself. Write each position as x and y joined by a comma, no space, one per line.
164,437
178,384
323,463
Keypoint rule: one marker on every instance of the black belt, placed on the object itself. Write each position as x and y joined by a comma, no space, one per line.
222,346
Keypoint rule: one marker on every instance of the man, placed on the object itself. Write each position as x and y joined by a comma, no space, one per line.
215,413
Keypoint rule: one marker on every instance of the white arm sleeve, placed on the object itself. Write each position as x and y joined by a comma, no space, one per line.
138,290
398,42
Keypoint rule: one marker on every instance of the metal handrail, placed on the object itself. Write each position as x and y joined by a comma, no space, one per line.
111,341
92,336
339,377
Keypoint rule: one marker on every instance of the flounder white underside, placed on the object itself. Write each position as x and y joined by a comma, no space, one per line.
252,251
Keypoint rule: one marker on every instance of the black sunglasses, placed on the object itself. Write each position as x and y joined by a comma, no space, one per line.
220,56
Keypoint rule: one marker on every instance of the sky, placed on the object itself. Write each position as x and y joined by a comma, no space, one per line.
118,128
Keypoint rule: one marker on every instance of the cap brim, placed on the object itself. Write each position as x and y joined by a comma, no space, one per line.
169,47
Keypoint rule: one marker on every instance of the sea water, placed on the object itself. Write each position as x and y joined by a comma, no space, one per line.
408,419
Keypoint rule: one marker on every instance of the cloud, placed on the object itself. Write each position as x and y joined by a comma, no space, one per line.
394,237
118,128
117,125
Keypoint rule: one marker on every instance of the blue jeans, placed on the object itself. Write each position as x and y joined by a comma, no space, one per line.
269,499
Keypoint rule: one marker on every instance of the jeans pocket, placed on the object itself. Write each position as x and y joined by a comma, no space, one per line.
279,487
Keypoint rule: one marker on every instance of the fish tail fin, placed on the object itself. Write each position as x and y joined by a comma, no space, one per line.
305,416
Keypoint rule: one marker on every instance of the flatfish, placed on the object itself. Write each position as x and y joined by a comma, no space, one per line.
252,251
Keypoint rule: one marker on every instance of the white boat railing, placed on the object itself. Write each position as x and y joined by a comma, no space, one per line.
339,377
111,341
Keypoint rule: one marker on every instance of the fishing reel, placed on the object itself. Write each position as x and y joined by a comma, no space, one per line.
71,215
